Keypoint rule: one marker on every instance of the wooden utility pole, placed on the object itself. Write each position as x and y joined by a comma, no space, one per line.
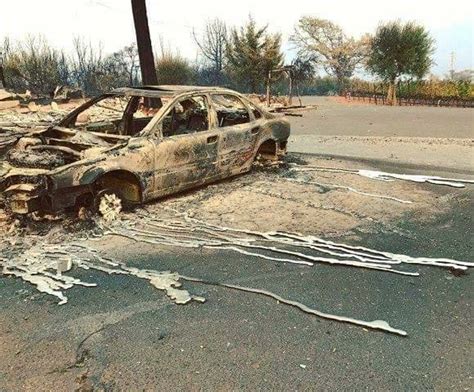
290,88
145,51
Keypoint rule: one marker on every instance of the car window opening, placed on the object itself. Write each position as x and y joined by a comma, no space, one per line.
105,116
142,111
256,112
188,116
118,115
230,110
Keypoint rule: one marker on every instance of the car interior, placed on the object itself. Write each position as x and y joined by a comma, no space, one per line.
188,116
118,115
230,110
128,116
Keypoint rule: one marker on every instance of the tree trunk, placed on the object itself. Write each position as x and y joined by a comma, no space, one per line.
299,95
340,85
392,93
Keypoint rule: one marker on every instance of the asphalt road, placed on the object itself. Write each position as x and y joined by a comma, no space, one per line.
124,334
332,118
429,138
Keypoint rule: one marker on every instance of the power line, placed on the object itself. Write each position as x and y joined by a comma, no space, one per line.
151,20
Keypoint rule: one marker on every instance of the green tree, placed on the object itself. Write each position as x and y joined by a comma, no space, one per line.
302,69
399,50
330,46
251,53
173,69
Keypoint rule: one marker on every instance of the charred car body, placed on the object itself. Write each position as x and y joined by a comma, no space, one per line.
139,144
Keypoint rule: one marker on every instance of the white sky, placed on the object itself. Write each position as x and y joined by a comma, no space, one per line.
110,23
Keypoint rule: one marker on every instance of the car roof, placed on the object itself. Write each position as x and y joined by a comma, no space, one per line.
166,90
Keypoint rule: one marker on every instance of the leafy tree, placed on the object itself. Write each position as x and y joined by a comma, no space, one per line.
212,45
301,71
399,50
327,43
251,53
205,75
173,69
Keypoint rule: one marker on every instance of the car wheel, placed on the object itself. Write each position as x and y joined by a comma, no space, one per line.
108,204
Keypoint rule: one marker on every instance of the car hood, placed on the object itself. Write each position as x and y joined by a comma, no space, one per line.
55,147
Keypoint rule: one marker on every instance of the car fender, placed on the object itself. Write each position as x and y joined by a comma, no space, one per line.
136,161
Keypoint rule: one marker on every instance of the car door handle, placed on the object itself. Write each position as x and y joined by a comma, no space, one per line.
255,130
212,139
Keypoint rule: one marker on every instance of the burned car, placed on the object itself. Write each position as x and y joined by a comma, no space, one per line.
139,144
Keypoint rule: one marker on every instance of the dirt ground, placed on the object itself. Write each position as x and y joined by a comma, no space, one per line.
125,334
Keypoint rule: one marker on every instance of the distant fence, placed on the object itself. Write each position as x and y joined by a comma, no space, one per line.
428,93
381,99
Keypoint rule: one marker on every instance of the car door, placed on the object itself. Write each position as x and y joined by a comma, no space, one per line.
186,152
239,132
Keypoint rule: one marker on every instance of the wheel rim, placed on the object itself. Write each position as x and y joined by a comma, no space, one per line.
109,205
